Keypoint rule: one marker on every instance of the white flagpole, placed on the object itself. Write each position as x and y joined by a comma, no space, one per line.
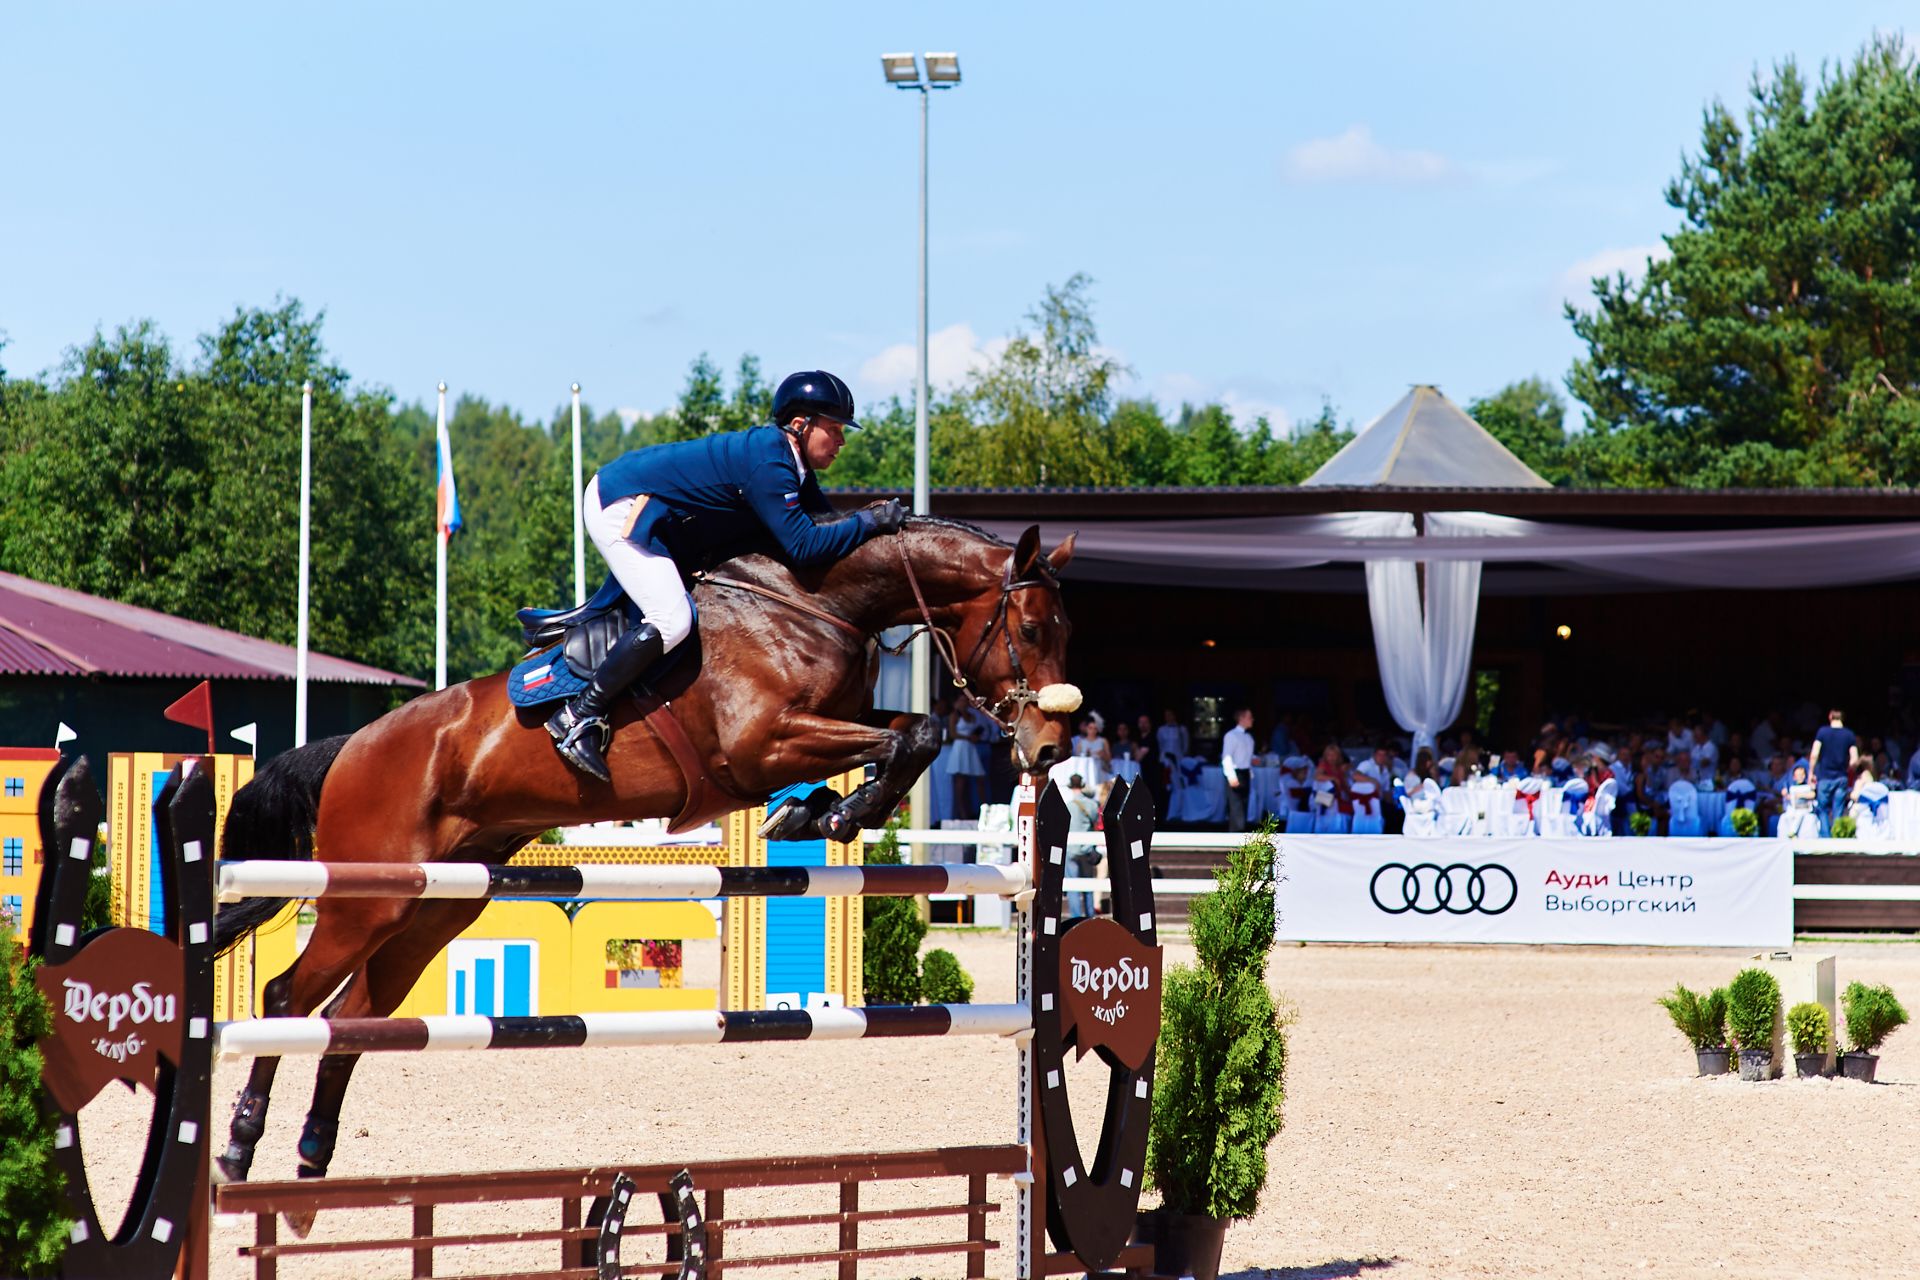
306,558
440,564
579,527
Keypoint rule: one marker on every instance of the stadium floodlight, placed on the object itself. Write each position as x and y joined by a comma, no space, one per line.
943,69
901,69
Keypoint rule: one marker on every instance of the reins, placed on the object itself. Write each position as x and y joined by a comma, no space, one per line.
1020,694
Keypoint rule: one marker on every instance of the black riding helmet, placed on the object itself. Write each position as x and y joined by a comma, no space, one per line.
814,391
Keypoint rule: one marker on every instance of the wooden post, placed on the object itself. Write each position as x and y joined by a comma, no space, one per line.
573,1253
849,1228
266,1230
976,1225
716,1230
423,1230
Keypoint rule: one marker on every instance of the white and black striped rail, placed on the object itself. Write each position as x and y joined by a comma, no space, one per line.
274,879
282,1037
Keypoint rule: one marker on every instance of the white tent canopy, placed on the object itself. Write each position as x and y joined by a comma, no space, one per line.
1426,441
1423,626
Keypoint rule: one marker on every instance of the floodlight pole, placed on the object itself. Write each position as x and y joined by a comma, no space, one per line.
579,528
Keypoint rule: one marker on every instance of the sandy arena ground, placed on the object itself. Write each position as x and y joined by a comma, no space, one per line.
1450,1112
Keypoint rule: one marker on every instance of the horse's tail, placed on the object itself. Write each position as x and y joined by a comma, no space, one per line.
273,817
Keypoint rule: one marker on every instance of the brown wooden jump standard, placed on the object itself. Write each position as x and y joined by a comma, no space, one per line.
188,828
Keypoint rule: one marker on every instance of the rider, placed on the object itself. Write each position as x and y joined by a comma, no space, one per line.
651,507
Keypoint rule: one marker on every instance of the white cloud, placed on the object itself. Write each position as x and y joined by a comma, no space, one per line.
629,415
1355,156
1576,282
952,353
1246,400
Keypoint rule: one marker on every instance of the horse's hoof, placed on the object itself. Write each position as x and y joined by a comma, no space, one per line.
226,1171
298,1223
778,819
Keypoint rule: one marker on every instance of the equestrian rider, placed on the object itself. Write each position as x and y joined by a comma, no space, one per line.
654,509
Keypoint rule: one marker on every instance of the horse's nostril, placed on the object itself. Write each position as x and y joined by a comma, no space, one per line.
1046,755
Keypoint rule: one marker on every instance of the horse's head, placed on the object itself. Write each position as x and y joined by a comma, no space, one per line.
1012,644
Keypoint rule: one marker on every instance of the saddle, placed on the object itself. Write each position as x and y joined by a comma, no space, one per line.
584,632
567,645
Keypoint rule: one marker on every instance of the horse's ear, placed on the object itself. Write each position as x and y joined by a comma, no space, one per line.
1062,554
1026,551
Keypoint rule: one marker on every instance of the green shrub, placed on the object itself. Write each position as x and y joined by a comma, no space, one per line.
1809,1027
1220,1078
1753,1001
1873,1014
1844,827
942,980
890,952
1702,1019
1640,824
1745,822
33,1205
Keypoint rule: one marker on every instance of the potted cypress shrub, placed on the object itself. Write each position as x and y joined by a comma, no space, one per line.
1810,1029
1702,1019
1753,1012
1872,1015
1219,1081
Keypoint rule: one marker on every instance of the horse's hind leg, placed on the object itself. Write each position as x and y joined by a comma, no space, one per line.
345,934
250,1109
384,982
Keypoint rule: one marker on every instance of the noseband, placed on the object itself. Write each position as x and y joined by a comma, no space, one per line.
1008,707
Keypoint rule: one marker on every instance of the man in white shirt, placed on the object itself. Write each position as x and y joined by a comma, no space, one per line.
1236,761
1706,755
1380,768
1171,738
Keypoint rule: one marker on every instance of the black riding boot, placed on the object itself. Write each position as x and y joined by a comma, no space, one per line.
579,728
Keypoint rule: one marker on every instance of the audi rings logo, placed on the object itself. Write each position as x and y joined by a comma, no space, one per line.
1457,889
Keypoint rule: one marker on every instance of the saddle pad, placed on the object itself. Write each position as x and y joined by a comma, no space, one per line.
542,677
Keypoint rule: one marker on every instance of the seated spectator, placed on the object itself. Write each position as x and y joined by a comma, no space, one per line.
1294,788
1705,754
1682,769
1679,737
1509,769
1333,768
1379,767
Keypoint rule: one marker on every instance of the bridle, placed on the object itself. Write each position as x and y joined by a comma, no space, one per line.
1021,694
1002,712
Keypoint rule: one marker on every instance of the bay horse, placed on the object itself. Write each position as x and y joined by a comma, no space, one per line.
778,691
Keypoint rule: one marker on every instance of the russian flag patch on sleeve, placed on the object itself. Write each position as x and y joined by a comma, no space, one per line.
793,501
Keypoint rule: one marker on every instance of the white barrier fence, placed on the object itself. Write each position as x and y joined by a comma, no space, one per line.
1327,894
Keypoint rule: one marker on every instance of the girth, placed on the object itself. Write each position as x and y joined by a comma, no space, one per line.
705,796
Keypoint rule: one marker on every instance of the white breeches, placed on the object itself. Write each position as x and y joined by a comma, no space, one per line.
651,579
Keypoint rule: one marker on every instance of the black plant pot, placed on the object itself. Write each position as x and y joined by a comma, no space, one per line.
1859,1066
1713,1062
1184,1244
1756,1064
1809,1064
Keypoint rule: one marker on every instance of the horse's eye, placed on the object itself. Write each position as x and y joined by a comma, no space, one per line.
1029,631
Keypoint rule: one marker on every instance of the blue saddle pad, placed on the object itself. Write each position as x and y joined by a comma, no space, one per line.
541,678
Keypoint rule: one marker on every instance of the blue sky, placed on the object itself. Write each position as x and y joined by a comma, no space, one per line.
1276,203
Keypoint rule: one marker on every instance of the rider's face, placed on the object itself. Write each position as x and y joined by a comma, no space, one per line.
821,441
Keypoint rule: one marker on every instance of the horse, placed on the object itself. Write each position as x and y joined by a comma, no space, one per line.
777,692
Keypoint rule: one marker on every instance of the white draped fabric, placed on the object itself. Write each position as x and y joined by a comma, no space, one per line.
1424,654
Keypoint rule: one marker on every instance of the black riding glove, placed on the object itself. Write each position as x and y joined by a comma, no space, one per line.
884,517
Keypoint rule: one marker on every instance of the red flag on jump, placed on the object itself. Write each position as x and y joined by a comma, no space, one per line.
195,709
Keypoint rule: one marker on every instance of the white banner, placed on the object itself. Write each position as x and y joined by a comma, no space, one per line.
1662,893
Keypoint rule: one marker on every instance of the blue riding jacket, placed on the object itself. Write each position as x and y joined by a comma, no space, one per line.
710,496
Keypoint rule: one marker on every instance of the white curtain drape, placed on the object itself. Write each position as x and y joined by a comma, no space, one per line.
1425,655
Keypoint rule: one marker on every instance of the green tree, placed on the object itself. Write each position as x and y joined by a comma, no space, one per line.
1778,343
1528,417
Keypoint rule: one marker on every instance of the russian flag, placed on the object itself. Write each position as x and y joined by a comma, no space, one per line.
448,507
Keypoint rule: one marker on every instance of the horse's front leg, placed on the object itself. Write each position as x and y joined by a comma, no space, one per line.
901,744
